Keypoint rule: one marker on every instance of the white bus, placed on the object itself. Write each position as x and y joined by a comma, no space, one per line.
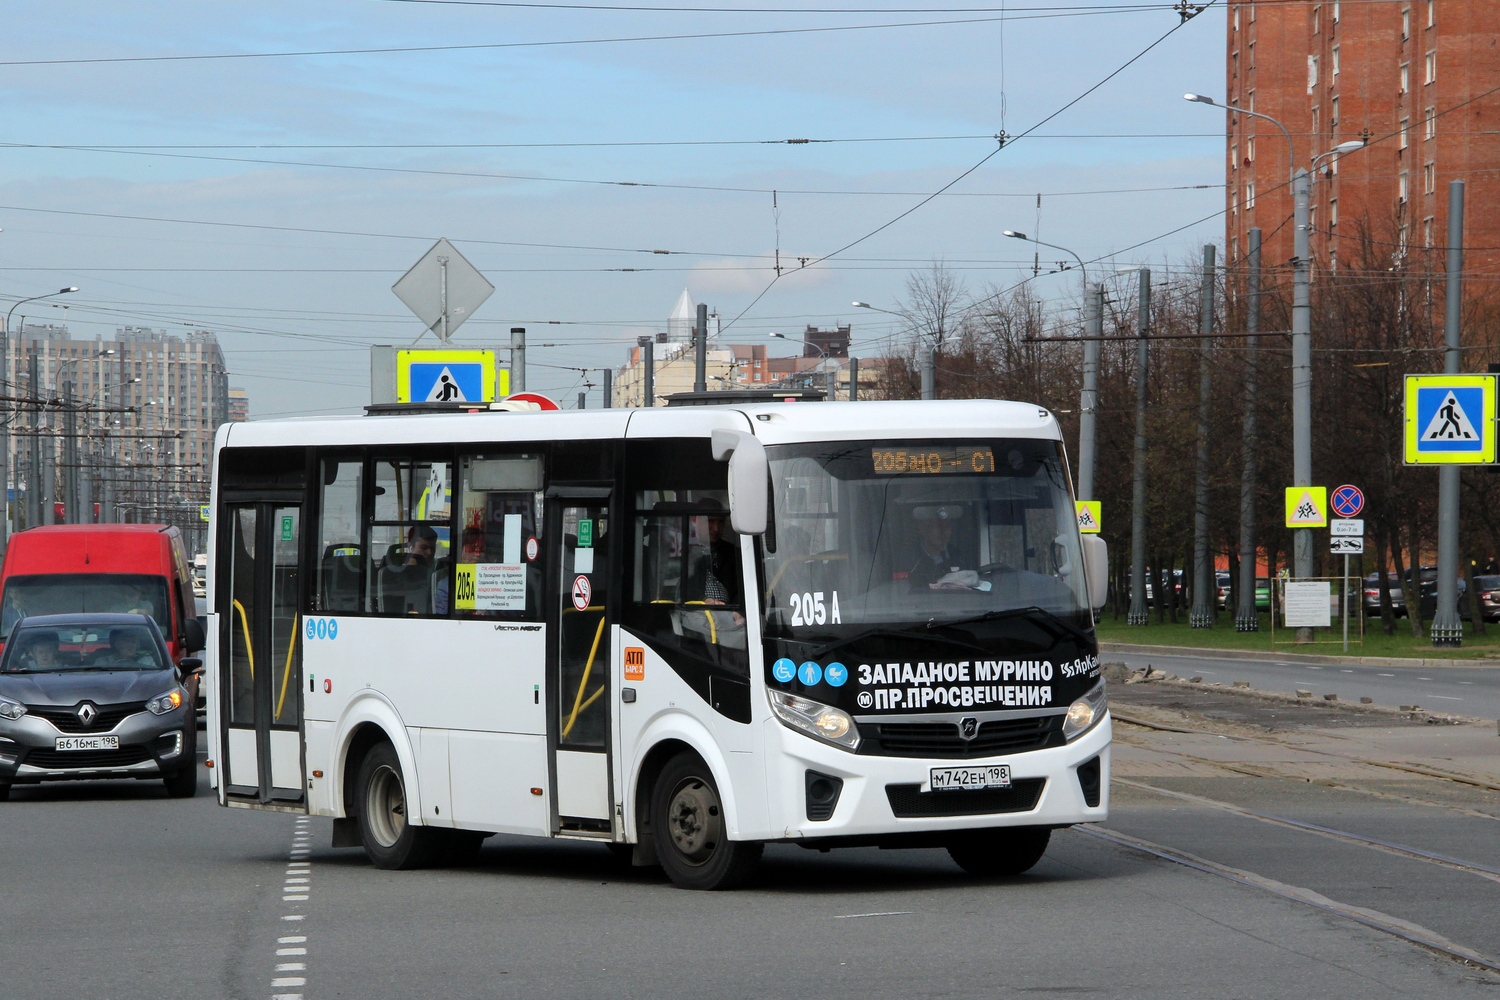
684,632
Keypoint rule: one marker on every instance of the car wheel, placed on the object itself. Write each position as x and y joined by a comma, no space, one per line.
692,839
389,840
183,783
999,853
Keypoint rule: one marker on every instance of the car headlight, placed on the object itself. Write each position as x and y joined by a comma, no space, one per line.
11,710
832,725
165,703
1084,712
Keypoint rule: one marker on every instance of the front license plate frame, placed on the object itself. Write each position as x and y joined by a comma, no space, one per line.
969,779
65,743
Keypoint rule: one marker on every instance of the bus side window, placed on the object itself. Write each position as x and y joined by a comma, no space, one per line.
499,571
339,549
408,565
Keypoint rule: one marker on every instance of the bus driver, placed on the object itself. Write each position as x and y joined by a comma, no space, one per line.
937,566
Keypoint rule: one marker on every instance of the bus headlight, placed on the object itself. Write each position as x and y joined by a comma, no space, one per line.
832,725
1084,712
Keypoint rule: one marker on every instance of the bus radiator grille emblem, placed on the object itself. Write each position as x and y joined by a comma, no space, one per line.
87,713
968,728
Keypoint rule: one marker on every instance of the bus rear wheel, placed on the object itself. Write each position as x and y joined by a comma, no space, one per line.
692,839
999,853
389,840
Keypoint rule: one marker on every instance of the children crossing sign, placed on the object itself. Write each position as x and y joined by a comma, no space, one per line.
1088,516
1450,420
1306,506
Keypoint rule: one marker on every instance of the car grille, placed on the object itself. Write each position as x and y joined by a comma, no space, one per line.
941,739
66,719
59,760
909,801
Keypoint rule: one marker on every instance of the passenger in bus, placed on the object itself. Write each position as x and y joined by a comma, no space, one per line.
938,564
405,579
719,568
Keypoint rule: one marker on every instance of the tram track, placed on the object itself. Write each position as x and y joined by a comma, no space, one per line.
1384,846
1374,919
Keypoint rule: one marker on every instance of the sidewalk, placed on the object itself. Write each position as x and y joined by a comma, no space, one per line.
1215,653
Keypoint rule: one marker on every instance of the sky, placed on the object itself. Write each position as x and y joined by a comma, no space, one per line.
274,199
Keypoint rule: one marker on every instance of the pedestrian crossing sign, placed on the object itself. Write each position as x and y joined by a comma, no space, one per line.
1450,420
1307,506
1088,516
449,376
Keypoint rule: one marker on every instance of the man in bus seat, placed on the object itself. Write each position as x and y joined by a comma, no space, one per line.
718,568
405,579
938,565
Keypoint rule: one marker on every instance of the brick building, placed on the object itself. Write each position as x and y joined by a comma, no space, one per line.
1409,76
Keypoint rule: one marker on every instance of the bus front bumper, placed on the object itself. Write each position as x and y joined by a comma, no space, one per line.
881,796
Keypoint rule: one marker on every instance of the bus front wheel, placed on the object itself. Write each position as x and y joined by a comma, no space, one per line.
390,841
692,839
999,853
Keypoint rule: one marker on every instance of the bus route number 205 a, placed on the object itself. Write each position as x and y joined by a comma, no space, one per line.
810,609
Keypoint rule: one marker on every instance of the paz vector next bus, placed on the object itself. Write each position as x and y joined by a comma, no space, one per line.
683,632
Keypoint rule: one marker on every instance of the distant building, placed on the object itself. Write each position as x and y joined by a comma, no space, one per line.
239,406
683,319
673,370
137,440
833,343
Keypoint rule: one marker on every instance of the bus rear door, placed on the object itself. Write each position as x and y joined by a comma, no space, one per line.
260,662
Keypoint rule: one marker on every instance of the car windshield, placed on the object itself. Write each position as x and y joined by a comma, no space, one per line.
868,532
84,593
37,650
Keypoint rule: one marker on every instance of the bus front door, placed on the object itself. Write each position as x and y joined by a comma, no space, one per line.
261,662
581,673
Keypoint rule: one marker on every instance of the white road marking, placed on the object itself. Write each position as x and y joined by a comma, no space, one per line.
292,967
291,951
289,981
1469,683
1385,675
1346,671
294,916
296,887
292,939
1445,697
1424,678
884,913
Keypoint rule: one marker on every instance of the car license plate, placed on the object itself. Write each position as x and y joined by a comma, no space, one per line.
88,743
946,779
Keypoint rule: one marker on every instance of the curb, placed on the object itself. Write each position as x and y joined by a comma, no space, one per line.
1255,654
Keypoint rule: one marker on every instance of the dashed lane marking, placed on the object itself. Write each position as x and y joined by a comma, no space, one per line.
296,888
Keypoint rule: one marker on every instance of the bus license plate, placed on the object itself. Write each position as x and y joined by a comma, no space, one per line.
88,743
946,779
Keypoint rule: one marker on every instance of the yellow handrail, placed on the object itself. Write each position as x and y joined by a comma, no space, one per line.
245,624
286,674
584,681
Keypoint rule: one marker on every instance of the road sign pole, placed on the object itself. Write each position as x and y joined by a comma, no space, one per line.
1447,626
517,359
1344,600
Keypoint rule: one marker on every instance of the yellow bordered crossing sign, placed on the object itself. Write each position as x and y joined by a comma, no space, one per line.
449,376
1450,420
1088,512
1307,506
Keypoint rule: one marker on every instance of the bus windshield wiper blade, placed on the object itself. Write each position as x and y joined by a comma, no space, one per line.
1031,612
892,632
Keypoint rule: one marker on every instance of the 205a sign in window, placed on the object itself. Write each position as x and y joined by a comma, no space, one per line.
932,461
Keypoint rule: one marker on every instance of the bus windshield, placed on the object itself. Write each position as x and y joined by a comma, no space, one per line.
74,593
919,532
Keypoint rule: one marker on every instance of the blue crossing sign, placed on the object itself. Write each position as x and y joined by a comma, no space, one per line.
449,376
1450,420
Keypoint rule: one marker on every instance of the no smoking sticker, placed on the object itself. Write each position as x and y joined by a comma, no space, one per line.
531,549
582,591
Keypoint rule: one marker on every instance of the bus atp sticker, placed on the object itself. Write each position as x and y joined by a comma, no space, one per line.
635,663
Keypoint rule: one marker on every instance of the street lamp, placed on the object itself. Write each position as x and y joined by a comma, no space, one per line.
1302,538
5,437
888,312
22,302
827,381
1088,397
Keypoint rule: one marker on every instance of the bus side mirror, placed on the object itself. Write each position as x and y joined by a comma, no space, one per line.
1096,569
193,636
747,479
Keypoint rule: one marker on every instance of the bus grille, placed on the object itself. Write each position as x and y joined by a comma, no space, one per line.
910,802
66,719
61,760
941,739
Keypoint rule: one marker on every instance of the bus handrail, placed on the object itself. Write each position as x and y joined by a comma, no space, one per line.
249,649
286,674
583,681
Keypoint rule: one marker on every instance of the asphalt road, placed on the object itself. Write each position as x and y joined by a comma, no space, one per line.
113,890
1471,691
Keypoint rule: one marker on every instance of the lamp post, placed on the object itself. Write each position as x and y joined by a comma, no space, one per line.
1088,397
72,497
5,437
1301,181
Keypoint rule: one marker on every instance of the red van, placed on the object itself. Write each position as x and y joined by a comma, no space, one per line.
120,568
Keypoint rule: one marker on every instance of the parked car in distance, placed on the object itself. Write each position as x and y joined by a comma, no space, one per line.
1488,589
1371,590
89,696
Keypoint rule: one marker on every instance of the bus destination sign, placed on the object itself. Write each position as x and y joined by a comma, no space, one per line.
932,460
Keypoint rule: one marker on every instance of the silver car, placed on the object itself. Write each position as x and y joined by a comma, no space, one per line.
89,696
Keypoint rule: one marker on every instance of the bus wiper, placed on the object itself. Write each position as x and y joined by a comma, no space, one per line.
1032,613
